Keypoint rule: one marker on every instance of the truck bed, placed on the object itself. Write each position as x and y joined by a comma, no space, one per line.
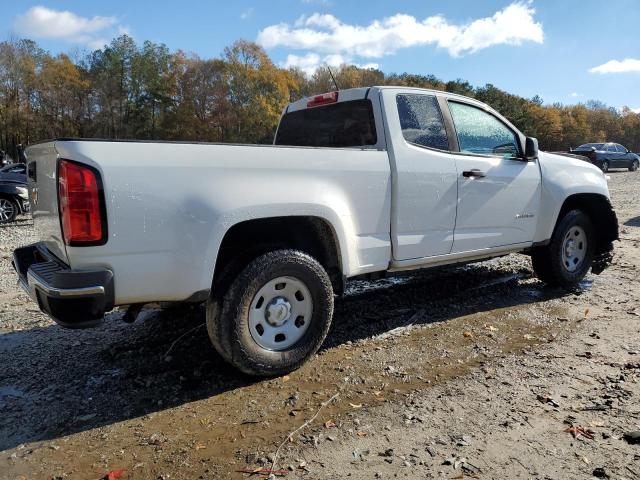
168,205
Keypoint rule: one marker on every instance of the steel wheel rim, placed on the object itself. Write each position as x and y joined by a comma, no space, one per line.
574,248
7,210
280,313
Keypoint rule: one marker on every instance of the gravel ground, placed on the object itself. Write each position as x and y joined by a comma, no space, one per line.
477,372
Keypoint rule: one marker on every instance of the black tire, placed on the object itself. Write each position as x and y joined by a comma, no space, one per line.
634,166
548,262
604,166
228,320
8,210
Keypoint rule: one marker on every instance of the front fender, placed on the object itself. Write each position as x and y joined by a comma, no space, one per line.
564,177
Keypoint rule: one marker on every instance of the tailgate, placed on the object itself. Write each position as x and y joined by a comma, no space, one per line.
43,193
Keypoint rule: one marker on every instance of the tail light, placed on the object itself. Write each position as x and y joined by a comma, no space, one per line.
324,99
81,203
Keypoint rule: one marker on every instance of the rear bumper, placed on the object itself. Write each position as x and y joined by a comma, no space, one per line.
72,299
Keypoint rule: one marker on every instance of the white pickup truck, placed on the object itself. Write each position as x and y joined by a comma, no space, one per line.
359,182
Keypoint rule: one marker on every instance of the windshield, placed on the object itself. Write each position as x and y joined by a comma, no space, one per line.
588,146
19,168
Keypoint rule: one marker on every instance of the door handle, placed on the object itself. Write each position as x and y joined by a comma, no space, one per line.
474,173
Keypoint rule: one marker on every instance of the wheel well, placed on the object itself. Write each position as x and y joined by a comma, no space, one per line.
247,240
601,213
13,199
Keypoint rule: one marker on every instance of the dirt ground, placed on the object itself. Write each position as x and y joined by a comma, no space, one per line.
471,372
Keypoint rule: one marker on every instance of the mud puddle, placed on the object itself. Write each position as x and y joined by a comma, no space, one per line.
218,435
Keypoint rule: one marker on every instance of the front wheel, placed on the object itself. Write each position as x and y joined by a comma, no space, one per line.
634,166
568,257
8,210
605,166
275,315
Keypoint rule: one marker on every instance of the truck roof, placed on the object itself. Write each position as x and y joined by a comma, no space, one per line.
364,92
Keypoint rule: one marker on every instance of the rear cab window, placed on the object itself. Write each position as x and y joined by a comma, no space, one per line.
421,121
338,125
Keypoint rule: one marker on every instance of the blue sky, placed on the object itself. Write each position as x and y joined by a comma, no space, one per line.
566,51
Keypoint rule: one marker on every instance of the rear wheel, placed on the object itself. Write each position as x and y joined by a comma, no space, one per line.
8,210
634,166
605,166
567,259
275,314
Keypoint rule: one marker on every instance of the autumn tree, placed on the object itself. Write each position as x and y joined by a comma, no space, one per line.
63,92
127,90
258,92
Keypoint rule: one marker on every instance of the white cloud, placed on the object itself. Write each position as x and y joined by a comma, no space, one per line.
328,35
618,66
247,13
43,22
310,62
635,110
575,94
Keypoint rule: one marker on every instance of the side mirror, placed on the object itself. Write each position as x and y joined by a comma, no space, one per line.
531,149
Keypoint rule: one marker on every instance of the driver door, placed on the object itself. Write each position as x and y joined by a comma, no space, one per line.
498,191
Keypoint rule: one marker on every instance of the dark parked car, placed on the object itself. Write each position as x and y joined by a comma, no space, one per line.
608,155
14,198
15,171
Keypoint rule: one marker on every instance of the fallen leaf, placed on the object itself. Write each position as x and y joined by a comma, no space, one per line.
578,431
330,424
114,474
491,328
467,334
200,446
354,405
286,378
361,434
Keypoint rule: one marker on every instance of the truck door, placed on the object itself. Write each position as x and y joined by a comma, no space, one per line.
498,191
424,186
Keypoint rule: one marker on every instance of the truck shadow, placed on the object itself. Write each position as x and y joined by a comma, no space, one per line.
55,382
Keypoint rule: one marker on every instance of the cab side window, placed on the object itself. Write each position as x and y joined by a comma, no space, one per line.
480,133
421,121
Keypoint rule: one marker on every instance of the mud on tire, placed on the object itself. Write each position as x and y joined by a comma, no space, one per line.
228,320
548,262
